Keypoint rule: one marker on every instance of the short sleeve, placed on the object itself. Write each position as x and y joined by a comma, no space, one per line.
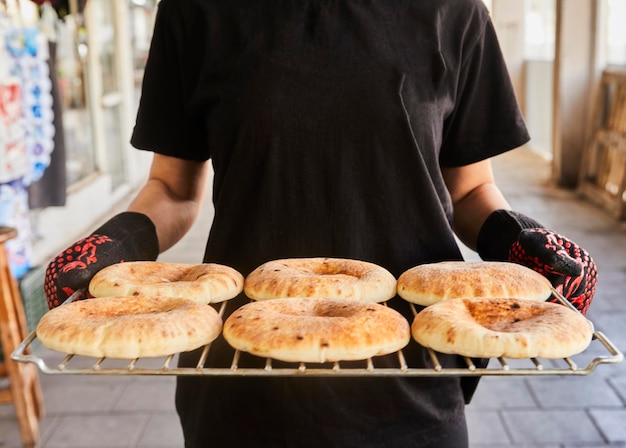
167,122
486,120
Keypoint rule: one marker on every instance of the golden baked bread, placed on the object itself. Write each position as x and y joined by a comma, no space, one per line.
309,329
433,282
128,327
320,277
202,283
511,328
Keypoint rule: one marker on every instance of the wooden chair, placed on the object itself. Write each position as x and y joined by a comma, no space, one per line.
24,390
603,167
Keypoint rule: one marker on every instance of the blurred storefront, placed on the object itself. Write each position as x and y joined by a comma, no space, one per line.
69,83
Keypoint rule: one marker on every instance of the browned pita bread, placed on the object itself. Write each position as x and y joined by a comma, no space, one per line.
431,283
202,283
511,328
316,330
128,327
320,277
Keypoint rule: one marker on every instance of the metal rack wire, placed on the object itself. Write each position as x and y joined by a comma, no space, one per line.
80,365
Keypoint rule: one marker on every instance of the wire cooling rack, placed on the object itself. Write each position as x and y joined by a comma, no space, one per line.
600,351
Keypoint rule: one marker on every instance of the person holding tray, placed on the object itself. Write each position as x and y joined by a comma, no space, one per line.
334,128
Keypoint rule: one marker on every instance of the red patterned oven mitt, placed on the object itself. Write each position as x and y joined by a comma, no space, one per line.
128,236
511,236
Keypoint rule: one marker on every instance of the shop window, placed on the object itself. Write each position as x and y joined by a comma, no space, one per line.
539,52
540,30
615,39
109,95
77,121
142,15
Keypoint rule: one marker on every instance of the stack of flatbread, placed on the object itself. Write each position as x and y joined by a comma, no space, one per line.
318,310
491,309
142,309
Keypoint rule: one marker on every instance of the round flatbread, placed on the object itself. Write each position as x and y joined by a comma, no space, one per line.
320,277
433,282
128,327
308,329
488,328
203,283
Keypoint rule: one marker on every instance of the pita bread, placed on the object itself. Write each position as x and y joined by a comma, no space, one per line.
308,329
427,284
128,327
320,277
203,283
511,328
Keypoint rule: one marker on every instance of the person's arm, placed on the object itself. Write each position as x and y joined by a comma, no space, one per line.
159,216
474,196
172,197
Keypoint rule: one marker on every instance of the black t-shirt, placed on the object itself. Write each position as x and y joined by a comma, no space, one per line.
327,123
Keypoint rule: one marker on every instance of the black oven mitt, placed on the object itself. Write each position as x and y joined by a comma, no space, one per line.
510,236
128,236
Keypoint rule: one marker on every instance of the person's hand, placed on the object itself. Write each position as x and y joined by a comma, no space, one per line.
511,236
570,269
128,236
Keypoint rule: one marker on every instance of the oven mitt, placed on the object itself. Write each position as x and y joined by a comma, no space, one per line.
128,236
510,236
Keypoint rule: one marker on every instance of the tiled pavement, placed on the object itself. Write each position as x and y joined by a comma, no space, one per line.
556,411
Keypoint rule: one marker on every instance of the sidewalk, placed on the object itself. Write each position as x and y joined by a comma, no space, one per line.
557,411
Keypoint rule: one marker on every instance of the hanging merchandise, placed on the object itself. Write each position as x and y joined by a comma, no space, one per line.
50,190
26,131
62,7
13,157
14,213
28,61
